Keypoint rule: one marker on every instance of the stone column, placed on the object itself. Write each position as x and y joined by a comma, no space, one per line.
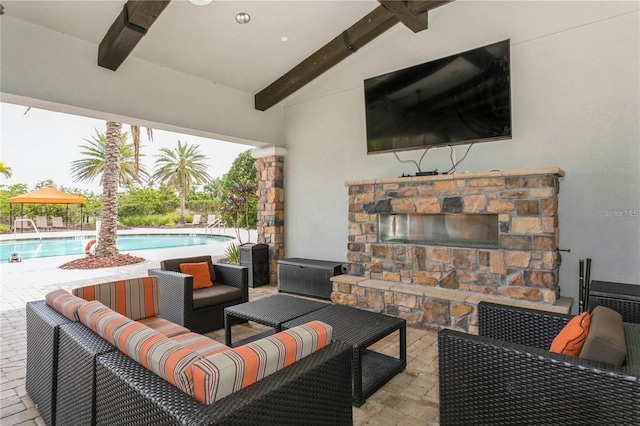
270,176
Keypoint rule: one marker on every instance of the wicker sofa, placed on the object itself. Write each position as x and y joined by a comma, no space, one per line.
200,310
506,374
77,377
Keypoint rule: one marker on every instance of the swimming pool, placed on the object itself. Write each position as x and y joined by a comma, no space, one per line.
48,247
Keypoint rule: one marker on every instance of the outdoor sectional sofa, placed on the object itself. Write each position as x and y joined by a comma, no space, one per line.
108,358
507,375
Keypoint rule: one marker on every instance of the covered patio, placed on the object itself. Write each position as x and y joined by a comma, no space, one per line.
568,112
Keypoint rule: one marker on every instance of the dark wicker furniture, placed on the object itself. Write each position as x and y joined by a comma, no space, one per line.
307,277
271,311
101,386
506,375
43,329
360,329
177,293
622,298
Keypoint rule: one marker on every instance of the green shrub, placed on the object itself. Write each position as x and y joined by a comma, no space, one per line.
233,253
152,220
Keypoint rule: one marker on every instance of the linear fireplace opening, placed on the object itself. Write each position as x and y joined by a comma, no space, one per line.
450,229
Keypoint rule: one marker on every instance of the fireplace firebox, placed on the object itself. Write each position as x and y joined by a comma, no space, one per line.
452,229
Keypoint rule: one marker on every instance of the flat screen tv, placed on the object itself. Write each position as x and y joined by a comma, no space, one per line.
460,99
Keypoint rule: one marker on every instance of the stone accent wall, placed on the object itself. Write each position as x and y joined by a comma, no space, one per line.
441,285
270,175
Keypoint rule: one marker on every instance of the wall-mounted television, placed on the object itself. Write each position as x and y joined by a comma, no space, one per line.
463,98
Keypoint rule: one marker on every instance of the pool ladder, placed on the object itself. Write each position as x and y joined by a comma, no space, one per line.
22,222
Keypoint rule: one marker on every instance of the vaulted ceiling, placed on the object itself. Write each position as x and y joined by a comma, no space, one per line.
285,45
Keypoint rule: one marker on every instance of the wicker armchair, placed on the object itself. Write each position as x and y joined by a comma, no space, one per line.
506,375
177,293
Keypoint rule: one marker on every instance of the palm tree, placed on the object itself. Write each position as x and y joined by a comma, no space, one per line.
93,164
110,178
135,134
6,171
181,168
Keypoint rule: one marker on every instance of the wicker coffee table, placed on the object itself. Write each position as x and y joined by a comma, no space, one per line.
271,311
360,328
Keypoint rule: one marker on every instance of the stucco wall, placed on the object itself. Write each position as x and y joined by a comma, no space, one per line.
575,101
45,69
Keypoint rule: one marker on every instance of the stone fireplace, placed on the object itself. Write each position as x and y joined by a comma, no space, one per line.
430,248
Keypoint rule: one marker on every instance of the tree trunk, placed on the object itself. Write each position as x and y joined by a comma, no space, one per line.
109,228
183,198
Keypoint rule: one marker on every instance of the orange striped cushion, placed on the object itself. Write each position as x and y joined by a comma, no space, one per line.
220,375
101,320
135,298
203,345
65,303
163,326
154,351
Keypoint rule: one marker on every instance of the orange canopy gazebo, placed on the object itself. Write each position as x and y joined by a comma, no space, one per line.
48,196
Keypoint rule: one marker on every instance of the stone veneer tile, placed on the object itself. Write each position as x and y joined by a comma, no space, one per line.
347,279
377,284
444,294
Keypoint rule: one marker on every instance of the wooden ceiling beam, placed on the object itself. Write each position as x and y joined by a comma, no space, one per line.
127,30
359,34
416,22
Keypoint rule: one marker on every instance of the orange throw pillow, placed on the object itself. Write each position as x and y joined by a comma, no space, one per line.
571,338
200,272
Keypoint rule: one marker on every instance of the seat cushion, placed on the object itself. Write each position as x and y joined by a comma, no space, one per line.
605,341
174,264
200,273
135,298
571,338
216,295
220,375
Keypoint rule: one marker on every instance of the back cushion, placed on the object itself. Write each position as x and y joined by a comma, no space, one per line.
154,351
135,298
605,341
219,375
174,264
65,303
571,338
203,345
163,326
200,273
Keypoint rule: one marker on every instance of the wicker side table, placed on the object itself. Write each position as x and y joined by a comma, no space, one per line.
623,298
271,311
370,370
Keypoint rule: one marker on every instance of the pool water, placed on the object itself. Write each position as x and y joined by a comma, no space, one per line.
48,247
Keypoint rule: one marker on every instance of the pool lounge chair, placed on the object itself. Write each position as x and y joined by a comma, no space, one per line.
196,220
57,223
41,223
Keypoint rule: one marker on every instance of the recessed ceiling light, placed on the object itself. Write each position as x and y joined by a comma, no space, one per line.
284,38
200,2
243,18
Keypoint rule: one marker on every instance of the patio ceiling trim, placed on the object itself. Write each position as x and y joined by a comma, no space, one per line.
359,34
127,30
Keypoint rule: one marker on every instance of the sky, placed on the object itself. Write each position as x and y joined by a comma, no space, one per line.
40,144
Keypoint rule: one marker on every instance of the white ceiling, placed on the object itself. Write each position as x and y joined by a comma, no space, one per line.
206,41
